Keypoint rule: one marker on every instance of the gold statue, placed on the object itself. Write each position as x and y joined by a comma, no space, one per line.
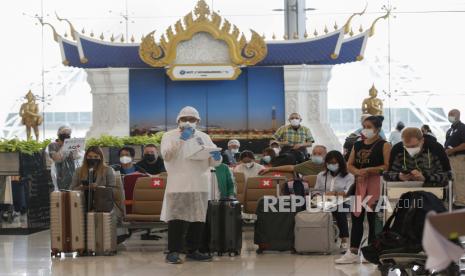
31,118
372,105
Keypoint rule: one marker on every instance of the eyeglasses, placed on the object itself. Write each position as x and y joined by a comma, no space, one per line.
188,119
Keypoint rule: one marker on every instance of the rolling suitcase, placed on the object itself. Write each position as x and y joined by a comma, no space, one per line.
315,233
273,230
223,225
101,234
67,222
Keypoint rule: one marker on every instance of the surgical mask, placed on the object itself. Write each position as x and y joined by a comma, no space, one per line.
295,122
150,157
234,151
187,125
267,159
333,167
413,151
63,137
368,133
452,119
277,150
93,162
249,165
317,159
125,159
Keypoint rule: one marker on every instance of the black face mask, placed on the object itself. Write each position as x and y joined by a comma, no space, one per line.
63,137
93,162
149,157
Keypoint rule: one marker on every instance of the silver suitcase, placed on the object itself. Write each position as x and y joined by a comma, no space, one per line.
315,233
101,234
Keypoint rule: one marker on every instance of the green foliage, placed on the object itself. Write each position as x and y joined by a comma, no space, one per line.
27,147
118,142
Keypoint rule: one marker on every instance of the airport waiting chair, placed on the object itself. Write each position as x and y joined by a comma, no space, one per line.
311,180
289,176
258,187
147,200
240,186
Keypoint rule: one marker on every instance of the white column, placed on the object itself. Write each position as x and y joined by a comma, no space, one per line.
306,92
110,101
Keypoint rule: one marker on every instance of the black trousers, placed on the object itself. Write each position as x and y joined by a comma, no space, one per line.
342,224
357,228
183,234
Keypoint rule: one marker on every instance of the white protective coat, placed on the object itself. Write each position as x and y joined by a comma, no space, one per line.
187,190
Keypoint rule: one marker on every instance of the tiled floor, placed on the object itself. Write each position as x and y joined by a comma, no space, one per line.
30,255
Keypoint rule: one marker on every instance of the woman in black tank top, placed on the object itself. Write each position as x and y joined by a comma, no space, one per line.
367,160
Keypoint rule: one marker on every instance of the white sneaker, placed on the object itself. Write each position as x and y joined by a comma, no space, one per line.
348,258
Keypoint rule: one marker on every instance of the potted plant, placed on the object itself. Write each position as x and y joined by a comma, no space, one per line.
10,151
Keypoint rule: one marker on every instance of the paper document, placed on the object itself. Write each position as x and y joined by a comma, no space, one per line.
77,144
196,149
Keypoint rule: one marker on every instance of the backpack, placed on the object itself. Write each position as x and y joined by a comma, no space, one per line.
403,231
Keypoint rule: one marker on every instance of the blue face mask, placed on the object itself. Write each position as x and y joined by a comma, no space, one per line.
267,159
333,167
317,159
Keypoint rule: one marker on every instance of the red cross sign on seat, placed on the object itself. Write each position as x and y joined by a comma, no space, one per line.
266,183
157,183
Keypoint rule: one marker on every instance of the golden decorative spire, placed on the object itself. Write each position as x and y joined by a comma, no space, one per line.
335,25
132,39
122,38
315,33
91,33
347,24
326,29
274,36
202,10
305,34
71,27
112,38
372,28
351,33
285,37
296,36
55,34
101,36
361,28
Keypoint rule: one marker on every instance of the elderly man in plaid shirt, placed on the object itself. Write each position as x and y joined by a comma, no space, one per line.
295,135
417,159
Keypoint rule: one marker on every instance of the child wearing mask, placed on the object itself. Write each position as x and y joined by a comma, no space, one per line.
248,166
335,180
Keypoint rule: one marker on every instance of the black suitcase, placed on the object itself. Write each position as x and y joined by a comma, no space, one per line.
224,227
274,230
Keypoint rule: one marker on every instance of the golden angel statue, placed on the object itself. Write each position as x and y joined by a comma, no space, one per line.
31,118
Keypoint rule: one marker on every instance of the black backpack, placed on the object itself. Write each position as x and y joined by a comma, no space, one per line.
403,231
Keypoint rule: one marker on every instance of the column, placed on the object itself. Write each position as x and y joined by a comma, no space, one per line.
306,92
110,101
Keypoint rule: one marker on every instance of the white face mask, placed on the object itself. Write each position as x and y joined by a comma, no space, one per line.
452,119
234,151
277,150
333,167
125,160
413,151
295,122
267,159
249,165
368,133
187,125
317,159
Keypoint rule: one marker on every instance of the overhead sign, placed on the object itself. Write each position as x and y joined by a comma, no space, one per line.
203,72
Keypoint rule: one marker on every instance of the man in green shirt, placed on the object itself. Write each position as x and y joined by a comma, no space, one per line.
294,134
311,167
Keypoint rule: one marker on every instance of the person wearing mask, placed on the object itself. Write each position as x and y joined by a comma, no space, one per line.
395,136
368,159
268,156
295,135
64,163
275,146
418,159
126,165
311,167
248,166
428,133
187,191
225,182
455,149
232,153
103,175
151,162
335,180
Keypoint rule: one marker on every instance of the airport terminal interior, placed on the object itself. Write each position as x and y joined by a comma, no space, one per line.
218,137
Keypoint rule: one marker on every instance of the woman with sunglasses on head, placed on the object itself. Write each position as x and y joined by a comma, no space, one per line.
368,159
335,180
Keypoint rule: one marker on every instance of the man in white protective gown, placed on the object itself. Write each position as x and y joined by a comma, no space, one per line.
186,196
